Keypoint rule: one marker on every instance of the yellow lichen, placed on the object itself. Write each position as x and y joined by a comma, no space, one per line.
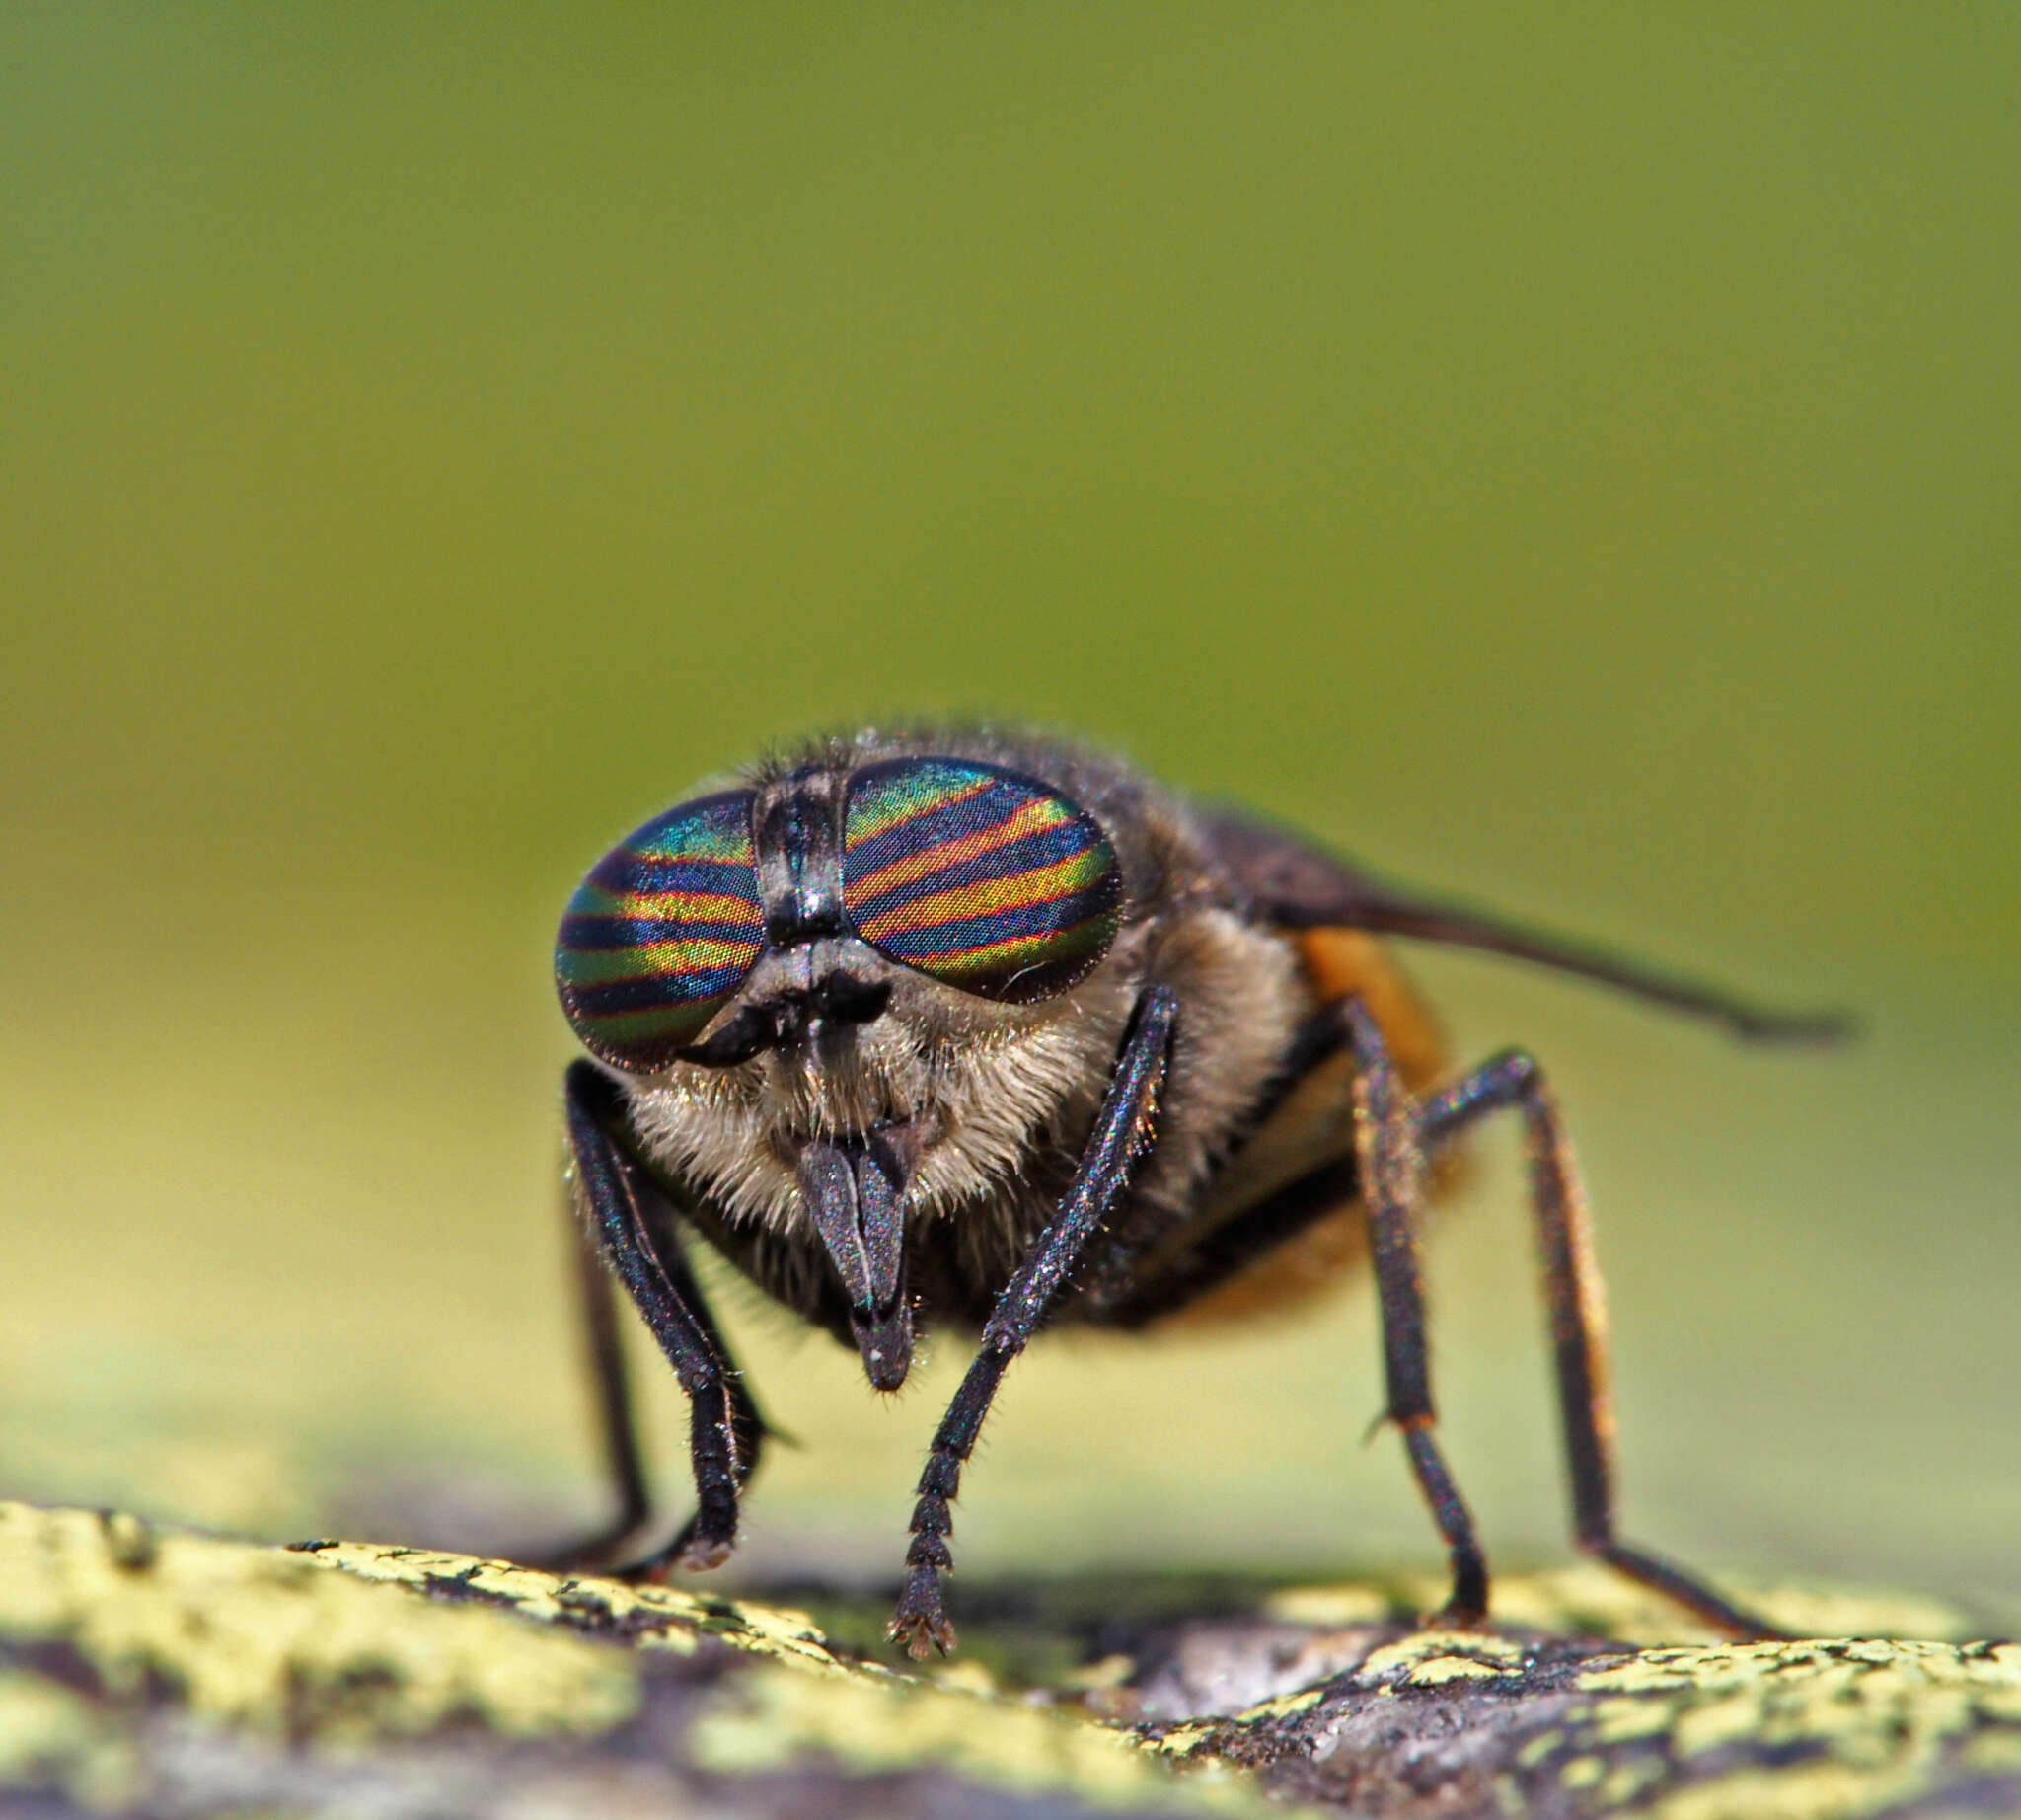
1993,1752
652,1617
350,1641
1590,1600
766,1717
1334,1607
967,1676
1433,1656
1796,1791
1097,1677
1437,1669
1875,1721
261,1638
1719,1665
52,1737
1625,1780
1286,1706
1699,1729
1620,1721
332,1645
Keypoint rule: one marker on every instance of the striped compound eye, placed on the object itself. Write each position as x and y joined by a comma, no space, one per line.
979,877
661,933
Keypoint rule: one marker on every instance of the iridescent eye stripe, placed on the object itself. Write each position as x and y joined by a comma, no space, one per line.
978,901
904,789
661,933
961,849
979,877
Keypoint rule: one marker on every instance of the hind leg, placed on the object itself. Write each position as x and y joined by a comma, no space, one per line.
1577,1302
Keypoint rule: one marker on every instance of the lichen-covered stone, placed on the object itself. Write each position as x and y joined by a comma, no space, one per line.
154,1672
1453,1723
165,1673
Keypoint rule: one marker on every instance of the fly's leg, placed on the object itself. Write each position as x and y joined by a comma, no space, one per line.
1391,1139
611,1386
1578,1318
1124,1130
630,1230
1387,1161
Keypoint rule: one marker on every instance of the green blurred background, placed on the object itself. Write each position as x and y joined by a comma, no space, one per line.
1569,459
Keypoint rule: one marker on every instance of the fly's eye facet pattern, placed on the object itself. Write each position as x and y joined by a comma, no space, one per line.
978,877
661,933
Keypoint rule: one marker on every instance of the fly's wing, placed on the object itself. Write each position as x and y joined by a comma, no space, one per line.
1288,881
1299,886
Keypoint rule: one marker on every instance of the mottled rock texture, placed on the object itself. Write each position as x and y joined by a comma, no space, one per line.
156,1673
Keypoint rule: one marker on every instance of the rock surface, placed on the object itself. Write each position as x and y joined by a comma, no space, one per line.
160,1673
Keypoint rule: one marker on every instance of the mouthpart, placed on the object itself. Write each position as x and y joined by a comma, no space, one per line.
854,1190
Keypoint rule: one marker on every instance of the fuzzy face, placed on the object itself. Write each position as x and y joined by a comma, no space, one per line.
935,942
974,1085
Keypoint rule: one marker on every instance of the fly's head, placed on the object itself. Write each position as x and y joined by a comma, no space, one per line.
856,995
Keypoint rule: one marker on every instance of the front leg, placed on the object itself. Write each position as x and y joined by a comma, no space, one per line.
1124,1130
626,1224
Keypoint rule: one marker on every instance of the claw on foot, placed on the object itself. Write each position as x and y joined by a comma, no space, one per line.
698,1554
690,1551
920,1624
